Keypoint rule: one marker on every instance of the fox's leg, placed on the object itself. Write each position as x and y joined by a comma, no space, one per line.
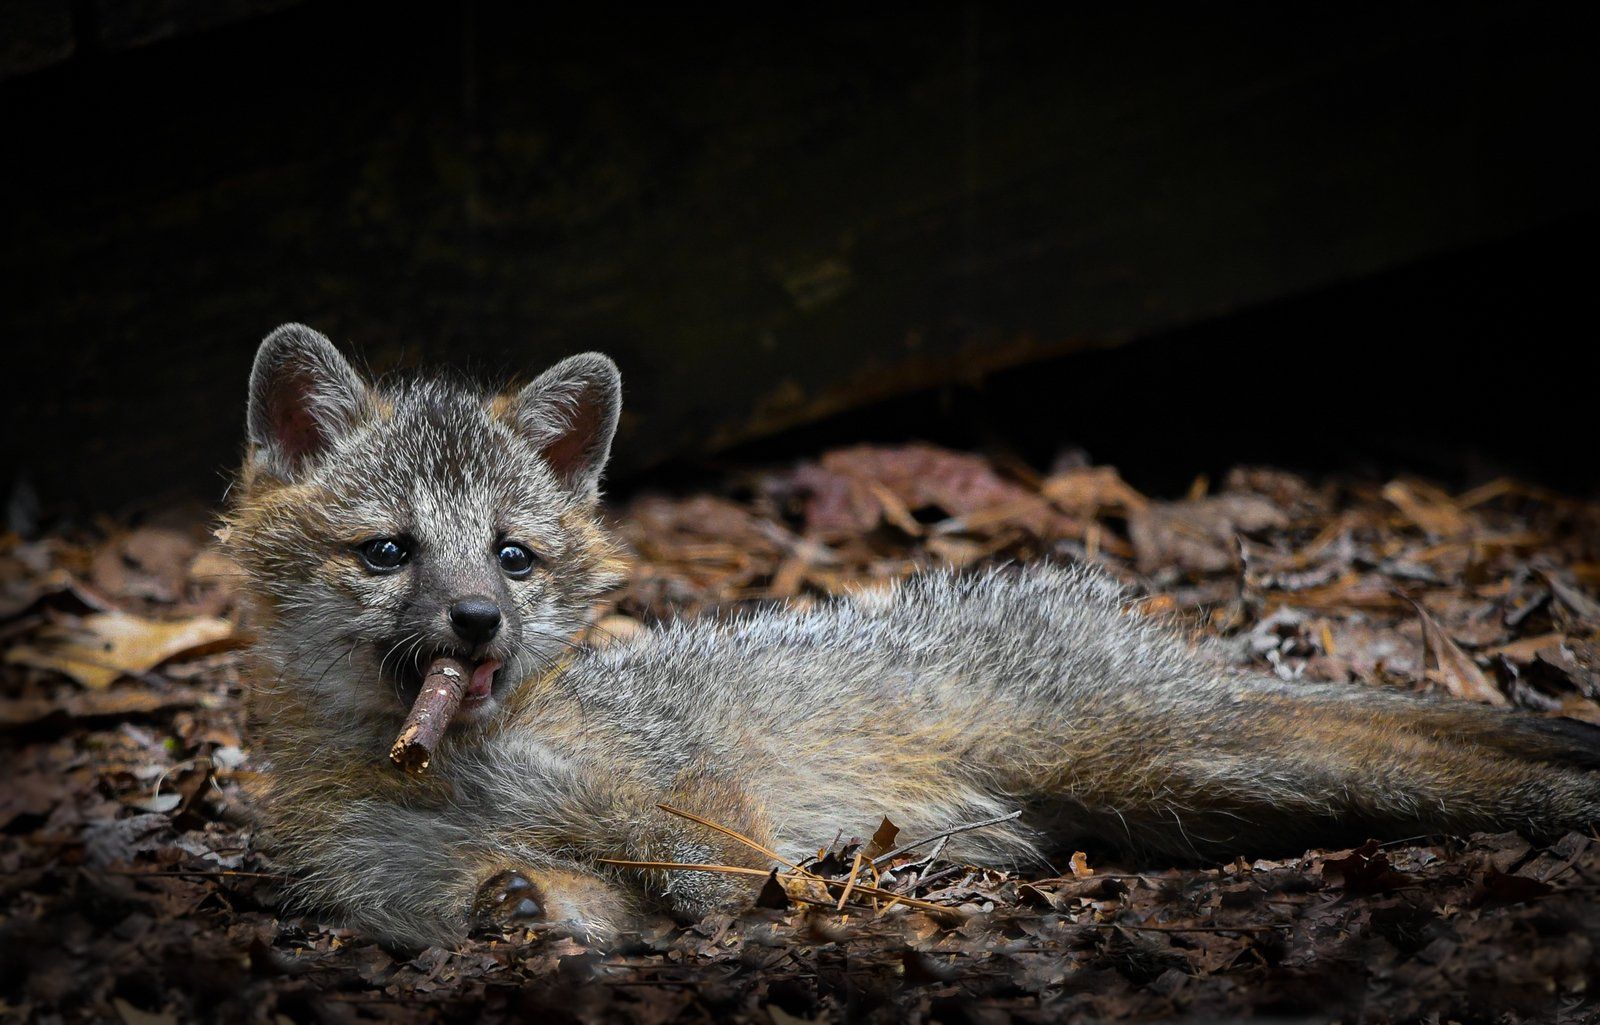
419,878
595,815
562,899
661,836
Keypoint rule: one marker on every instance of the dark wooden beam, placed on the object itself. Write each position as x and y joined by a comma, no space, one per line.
765,218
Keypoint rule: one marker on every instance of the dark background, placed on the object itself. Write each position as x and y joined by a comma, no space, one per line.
1179,238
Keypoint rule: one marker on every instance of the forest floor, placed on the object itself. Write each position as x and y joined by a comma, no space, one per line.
130,890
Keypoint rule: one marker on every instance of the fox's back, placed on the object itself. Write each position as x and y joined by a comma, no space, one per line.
930,702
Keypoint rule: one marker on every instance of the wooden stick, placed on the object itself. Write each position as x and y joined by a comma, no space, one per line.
443,688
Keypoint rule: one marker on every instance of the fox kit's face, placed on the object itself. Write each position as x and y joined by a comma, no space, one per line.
383,527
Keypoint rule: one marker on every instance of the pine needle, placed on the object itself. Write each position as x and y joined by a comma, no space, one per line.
850,880
678,866
733,835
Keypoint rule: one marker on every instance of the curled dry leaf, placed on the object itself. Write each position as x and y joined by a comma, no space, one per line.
1457,672
1080,865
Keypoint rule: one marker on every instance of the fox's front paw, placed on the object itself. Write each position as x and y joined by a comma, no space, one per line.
507,900
556,902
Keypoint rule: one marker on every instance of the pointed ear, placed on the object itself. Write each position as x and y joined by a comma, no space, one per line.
570,415
303,396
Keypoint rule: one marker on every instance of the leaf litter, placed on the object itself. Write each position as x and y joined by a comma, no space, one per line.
131,890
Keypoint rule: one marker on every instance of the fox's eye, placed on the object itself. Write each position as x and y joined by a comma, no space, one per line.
384,554
516,560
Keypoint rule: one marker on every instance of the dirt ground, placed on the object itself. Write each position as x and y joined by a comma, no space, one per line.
130,890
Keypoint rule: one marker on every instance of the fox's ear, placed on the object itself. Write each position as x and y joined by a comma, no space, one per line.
570,414
303,396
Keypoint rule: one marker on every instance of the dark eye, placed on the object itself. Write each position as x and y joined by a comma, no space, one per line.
516,560
384,554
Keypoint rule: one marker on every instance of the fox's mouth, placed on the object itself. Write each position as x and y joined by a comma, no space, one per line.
407,671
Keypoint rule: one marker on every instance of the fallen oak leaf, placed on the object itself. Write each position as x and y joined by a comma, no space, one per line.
108,645
882,839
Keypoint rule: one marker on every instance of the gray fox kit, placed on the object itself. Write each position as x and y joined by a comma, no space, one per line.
380,527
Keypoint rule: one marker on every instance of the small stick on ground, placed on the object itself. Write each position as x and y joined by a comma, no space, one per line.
794,877
884,859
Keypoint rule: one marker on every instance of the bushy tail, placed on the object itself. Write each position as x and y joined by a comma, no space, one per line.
1284,767
1570,743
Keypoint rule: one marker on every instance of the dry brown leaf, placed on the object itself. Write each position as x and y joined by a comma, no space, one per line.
1527,649
1457,672
147,562
882,840
107,645
845,492
1429,508
1199,536
1080,865
131,1015
1351,591
114,702
1585,608
1576,707
1093,491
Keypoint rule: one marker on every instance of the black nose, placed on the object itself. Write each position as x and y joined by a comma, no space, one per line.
475,619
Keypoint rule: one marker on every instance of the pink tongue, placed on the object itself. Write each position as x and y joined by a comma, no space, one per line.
482,678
